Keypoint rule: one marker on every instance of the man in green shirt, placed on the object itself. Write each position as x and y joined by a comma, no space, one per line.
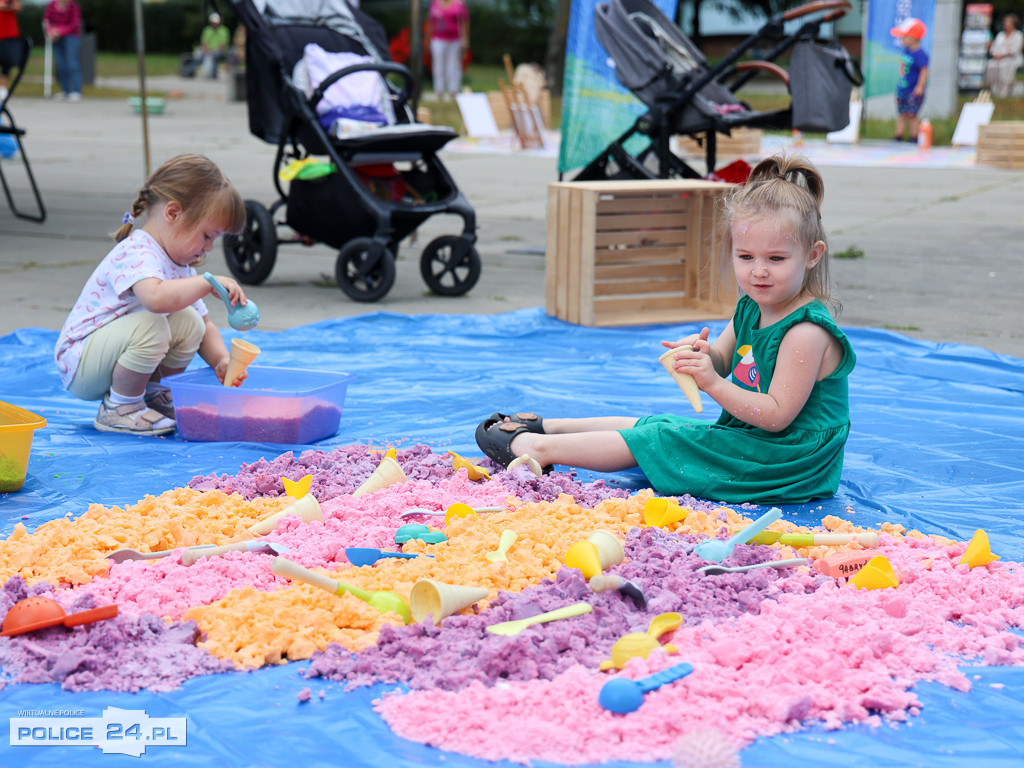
214,41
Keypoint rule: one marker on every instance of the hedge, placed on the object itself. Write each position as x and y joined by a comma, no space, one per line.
173,26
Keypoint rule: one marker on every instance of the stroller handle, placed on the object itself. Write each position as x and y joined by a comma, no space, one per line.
384,67
841,8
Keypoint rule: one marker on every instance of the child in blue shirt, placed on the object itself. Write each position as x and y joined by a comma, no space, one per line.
913,76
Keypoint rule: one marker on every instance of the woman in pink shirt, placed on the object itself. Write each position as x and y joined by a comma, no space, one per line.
448,25
62,23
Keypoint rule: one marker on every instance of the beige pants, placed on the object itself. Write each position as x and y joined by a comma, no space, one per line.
141,342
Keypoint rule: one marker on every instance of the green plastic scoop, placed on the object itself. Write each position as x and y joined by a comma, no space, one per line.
383,601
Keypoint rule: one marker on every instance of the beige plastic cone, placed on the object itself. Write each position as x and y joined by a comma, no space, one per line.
684,380
440,600
306,509
242,353
609,548
388,472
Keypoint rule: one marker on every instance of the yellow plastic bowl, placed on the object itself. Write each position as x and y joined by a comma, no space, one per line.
16,428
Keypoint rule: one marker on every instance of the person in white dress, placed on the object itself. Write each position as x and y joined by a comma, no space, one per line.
1007,52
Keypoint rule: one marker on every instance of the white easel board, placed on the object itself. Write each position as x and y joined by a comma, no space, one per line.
477,115
971,116
851,133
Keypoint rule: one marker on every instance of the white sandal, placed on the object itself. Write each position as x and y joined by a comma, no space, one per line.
132,418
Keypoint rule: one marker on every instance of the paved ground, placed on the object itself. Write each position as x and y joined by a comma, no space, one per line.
942,246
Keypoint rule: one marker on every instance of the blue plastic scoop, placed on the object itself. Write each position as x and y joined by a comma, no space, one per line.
242,317
717,550
622,695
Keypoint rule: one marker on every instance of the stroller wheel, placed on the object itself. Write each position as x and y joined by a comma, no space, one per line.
250,255
450,265
365,269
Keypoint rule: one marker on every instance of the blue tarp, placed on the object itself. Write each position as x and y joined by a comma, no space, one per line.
937,441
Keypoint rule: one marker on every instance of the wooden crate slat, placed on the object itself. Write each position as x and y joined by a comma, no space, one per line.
648,271
647,238
642,204
586,233
676,286
628,256
652,221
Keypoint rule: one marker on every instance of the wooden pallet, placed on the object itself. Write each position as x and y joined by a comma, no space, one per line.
636,253
1001,144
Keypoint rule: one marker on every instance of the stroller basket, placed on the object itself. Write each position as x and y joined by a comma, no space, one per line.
687,96
376,183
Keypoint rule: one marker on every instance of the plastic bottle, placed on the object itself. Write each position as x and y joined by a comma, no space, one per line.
924,134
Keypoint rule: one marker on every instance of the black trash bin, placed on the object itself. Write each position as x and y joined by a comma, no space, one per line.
87,54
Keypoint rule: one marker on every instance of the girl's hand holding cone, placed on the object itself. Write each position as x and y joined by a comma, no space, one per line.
242,353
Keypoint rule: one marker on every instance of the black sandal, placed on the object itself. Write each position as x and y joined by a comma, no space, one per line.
528,419
494,435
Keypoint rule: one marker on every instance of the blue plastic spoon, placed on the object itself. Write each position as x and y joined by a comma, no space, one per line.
622,695
368,555
242,317
717,550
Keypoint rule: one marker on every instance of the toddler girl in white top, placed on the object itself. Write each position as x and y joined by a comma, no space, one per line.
141,315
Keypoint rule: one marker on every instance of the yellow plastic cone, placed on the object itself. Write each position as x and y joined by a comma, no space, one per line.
660,512
978,551
242,353
685,381
473,471
585,556
440,600
877,573
388,472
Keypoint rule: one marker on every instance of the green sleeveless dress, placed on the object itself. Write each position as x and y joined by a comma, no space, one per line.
733,461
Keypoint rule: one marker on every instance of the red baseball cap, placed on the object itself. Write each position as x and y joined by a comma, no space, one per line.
910,27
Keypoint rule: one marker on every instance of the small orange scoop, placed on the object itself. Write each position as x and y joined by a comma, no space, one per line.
34,613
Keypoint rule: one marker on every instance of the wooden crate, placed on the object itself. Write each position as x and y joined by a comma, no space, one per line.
636,253
742,142
1001,144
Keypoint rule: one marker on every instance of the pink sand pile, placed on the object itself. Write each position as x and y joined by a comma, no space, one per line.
834,654
770,648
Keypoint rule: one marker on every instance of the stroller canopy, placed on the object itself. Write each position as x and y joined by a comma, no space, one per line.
656,61
277,32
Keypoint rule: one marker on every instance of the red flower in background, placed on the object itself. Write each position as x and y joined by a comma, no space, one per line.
400,49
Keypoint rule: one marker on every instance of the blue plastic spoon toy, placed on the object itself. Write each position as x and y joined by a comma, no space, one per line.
622,695
242,317
717,550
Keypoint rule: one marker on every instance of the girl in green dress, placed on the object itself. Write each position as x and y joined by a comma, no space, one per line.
779,371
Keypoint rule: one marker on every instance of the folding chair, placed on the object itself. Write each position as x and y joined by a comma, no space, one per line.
19,50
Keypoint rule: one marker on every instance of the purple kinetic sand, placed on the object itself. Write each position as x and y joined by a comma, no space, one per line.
126,653
460,652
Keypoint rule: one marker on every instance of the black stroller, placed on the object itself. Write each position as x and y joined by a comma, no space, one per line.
374,187
686,96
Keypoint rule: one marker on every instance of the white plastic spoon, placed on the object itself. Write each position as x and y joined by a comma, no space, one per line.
715,570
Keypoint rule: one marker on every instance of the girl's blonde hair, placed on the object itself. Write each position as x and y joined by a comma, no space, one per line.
195,183
787,189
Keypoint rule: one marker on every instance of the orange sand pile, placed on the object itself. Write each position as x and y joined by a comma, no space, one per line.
73,550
